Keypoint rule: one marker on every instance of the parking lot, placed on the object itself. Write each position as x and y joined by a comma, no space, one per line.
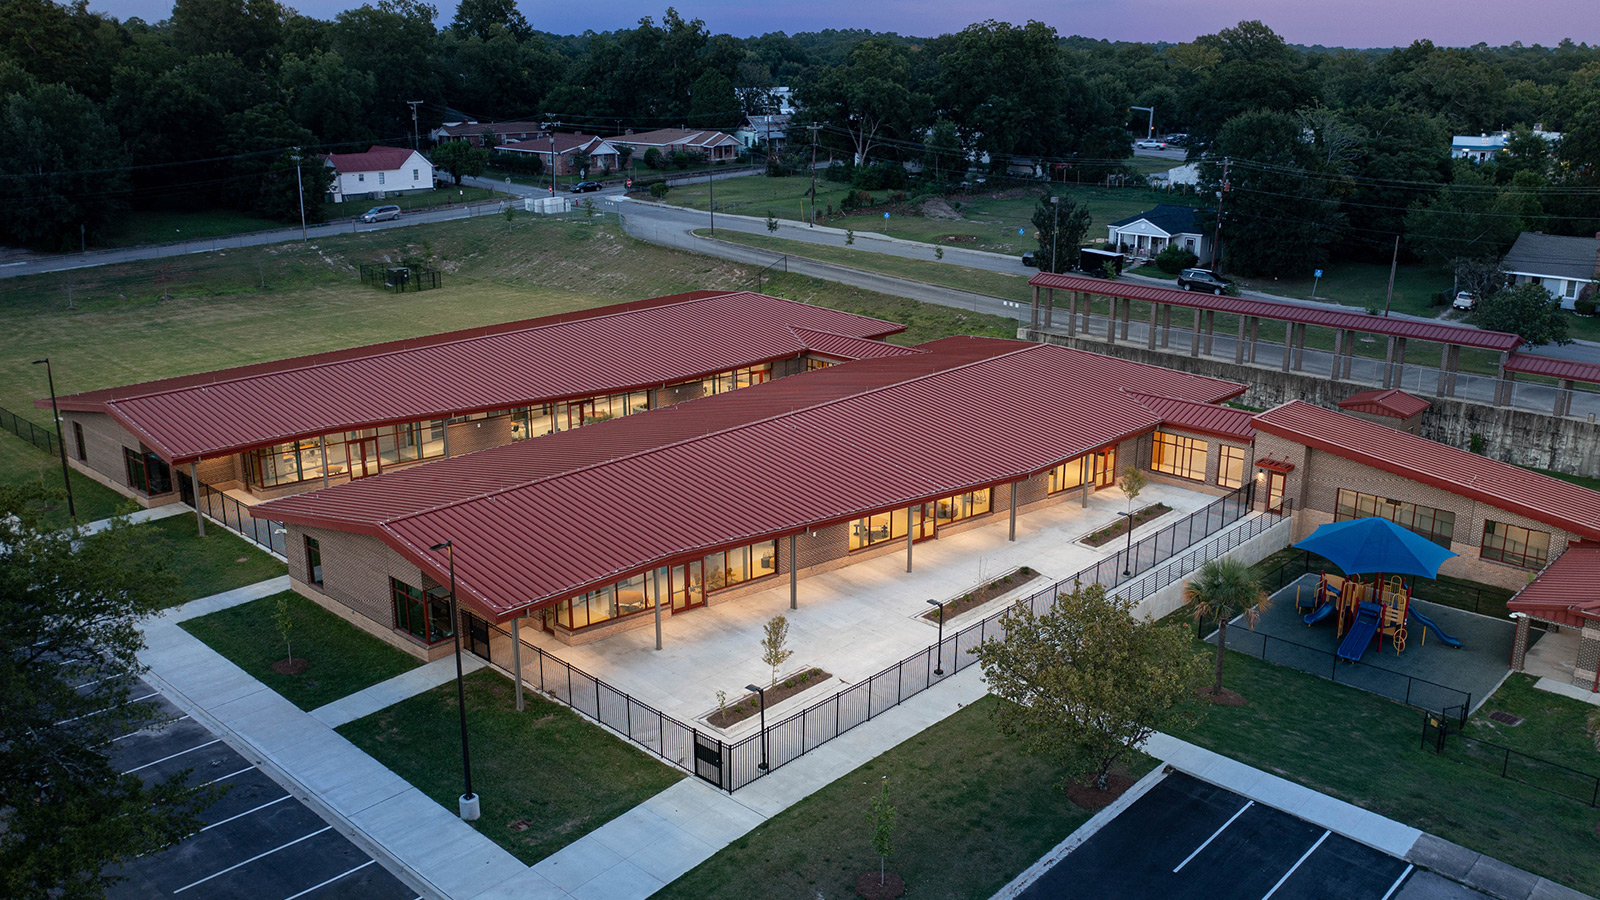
259,841
1188,839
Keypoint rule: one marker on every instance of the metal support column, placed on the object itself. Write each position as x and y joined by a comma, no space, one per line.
794,576
199,517
1083,476
1150,339
322,447
911,537
516,657
1013,511
1238,344
1194,342
655,579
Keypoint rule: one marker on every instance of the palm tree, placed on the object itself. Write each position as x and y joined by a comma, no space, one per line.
1226,588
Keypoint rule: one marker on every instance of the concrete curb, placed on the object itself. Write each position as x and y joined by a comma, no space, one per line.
1484,873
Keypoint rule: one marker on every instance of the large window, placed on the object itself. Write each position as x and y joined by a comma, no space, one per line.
1067,476
147,472
614,601
77,436
425,617
738,378
813,363
313,561
963,506
1437,525
1174,454
1515,545
727,568
1230,467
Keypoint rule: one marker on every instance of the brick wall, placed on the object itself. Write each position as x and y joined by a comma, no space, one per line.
223,472
479,434
1588,655
105,441
355,573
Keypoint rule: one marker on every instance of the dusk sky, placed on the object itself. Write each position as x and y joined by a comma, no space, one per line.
1348,23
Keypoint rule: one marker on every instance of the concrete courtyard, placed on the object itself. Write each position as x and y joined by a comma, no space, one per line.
854,621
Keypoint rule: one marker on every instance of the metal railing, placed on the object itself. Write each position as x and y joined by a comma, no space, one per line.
763,272
1177,567
235,516
732,765
40,437
1523,768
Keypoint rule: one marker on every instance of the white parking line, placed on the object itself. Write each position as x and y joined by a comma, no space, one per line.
1396,886
248,812
254,858
1213,837
99,711
1296,865
227,776
147,728
173,756
329,881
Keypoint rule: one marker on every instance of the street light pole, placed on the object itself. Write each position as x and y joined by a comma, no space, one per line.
1127,562
938,666
469,807
1152,111
61,440
711,185
300,189
763,695
1055,234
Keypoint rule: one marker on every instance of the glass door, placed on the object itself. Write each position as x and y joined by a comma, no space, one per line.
686,586
363,457
1104,467
1275,485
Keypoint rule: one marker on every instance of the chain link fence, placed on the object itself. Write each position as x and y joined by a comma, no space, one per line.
43,438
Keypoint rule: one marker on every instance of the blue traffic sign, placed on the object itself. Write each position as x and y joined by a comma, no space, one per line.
1318,274
1021,232
886,215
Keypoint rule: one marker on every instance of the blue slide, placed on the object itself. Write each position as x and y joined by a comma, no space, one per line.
1360,633
1318,614
1427,623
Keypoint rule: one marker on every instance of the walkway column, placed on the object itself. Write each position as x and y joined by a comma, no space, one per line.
1127,313
1072,313
1033,310
1087,298
1349,353
1502,385
911,537
1338,353
199,517
1564,397
1255,334
516,657
1449,358
1211,329
1388,363
1238,344
1111,321
794,575
1194,342
1150,341
1400,362
1166,324
322,447
655,579
1300,348
1288,346
1013,511
1049,305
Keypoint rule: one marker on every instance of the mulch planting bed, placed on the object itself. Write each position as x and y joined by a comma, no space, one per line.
1120,527
870,886
290,666
1089,796
1010,581
1223,697
750,704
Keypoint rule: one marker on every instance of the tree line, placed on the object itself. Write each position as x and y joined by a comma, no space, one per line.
1334,151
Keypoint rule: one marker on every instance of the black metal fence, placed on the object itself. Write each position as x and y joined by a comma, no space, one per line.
1434,591
1515,765
264,533
400,279
43,438
1362,675
1178,566
732,765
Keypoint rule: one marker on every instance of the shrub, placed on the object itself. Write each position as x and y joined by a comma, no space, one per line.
652,157
1586,304
1175,259
658,190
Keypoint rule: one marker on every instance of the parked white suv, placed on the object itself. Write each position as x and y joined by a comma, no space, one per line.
381,214
1464,300
1150,144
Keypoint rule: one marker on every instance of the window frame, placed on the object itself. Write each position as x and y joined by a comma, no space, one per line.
1379,506
1520,559
399,593
1181,446
314,572
1225,453
77,436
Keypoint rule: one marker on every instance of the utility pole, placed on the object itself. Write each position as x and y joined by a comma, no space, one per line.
711,184
1055,234
813,222
1152,111
300,188
1393,262
414,137
553,126
1216,238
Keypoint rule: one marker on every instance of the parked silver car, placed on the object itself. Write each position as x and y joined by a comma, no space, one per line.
381,214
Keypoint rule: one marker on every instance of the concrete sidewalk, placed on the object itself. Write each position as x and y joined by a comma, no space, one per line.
385,694
142,515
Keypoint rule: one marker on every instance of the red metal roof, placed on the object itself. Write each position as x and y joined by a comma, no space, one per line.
1552,501
376,159
630,346
564,143
1205,418
666,137
798,452
1553,368
1565,590
1392,402
1440,332
843,346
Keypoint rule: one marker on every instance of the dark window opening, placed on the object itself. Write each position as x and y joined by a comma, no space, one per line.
313,561
77,436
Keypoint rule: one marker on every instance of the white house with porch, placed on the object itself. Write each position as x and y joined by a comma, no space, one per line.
379,172
1148,233
1562,265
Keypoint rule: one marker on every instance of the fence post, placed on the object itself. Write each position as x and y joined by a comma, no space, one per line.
1506,765
870,679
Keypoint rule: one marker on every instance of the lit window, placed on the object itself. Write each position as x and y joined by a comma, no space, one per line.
1437,525
1230,468
1177,455
1066,476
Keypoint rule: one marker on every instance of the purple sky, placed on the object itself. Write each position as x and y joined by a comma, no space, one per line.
1349,23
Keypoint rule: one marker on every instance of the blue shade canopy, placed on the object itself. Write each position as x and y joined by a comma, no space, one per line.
1375,544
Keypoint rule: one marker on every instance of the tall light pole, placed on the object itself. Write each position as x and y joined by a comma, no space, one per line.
300,189
938,666
1055,234
1127,560
553,126
813,222
61,441
1152,111
763,695
711,185
469,800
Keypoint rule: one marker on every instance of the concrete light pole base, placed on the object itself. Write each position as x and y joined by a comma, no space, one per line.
469,807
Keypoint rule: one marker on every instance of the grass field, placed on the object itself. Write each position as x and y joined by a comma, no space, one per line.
260,303
208,565
22,464
972,811
546,769
342,658
1368,751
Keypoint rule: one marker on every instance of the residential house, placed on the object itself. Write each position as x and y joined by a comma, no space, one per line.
378,173
1483,147
504,132
1152,231
1561,265
716,146
565,148
765,133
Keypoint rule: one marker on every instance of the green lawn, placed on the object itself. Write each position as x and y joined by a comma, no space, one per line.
343,659
146,226
546,767
220,561
21,463
353,207
1367,750
1461,593
972,811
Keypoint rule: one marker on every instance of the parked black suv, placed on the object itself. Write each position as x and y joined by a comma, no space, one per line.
584,187
1203,280
1028,259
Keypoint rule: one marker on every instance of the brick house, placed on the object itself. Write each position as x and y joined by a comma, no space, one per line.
566,149
717,146
503,132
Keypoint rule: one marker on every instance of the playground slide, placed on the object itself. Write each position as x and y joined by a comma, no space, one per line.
1428,623
1318,614
1360,633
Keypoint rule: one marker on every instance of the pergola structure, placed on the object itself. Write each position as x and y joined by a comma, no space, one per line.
1081,291
1565,371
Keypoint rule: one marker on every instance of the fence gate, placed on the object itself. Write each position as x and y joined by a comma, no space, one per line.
708,758
1435,728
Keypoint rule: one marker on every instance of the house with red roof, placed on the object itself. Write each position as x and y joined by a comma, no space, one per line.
714,145
377,173
573,154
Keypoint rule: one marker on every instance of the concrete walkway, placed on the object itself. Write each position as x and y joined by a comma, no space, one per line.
142,515
385,694
207,605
